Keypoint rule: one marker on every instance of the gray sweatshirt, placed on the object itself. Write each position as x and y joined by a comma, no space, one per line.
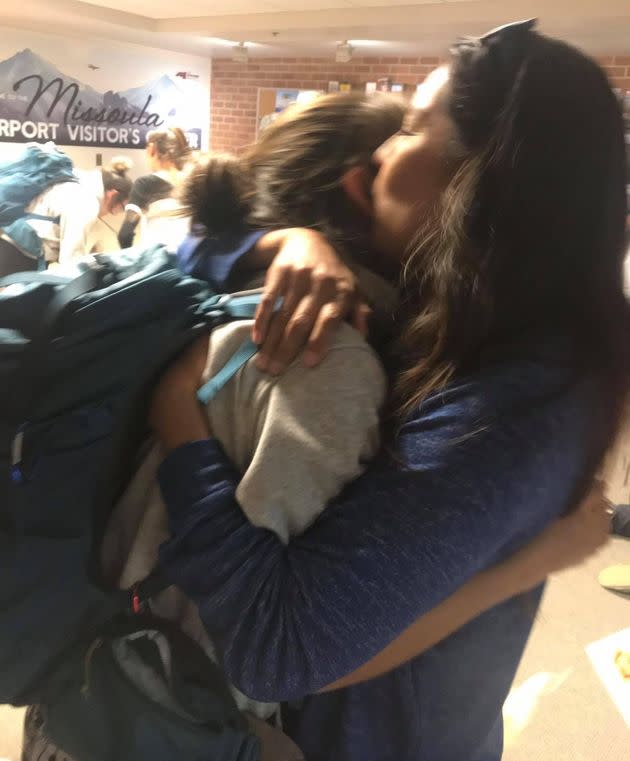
298,439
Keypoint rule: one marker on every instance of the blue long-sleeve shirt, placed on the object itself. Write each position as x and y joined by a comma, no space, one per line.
485,465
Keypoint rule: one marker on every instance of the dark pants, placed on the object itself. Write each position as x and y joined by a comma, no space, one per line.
13,260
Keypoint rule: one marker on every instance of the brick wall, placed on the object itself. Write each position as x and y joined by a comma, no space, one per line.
235,85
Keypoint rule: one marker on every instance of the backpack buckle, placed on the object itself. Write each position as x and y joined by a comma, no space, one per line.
138,605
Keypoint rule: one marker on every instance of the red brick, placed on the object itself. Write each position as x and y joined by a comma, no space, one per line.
430,60
622,60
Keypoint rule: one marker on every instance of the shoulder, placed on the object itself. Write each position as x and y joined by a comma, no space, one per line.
153,184
350,365
63,190
68,199
148,181
517,421
148,188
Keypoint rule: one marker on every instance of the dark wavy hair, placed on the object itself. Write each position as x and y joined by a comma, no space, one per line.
527,241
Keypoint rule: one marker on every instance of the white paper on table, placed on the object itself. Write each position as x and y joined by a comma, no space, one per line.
602,654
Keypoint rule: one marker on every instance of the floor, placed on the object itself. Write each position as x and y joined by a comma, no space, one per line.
558,709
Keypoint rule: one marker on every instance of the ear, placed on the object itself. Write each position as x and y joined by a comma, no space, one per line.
108,200
356,183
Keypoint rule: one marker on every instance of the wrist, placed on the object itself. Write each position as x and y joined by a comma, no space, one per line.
270,243
528,567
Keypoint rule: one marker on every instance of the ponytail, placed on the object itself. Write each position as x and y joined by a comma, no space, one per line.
214,193
171,145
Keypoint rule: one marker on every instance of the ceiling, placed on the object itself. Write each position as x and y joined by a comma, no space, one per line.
314,27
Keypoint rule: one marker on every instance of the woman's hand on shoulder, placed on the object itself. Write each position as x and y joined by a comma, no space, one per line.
317,290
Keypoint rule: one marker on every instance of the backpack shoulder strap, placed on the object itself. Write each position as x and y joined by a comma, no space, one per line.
239,307
212,387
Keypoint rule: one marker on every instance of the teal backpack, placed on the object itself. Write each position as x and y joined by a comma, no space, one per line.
78,359
21,182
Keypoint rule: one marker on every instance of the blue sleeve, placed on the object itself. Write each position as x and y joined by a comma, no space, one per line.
290,619
213,259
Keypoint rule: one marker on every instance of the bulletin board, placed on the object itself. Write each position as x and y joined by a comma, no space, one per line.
274,100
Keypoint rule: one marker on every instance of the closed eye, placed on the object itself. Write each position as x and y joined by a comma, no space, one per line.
407,133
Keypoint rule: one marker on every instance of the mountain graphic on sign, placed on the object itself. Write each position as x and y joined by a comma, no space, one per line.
25,64
166,96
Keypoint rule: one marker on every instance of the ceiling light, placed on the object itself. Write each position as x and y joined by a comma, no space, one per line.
220,41
240,53
344,52
367,43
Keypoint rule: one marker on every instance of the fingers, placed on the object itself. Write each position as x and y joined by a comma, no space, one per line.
322,334
361,318
592,519
317,291
595,501
276,285
313,306
293,289
294,335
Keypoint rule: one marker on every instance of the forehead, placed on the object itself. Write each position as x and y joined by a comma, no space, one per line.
428,92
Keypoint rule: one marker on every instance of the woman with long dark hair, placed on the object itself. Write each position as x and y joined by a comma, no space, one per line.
503,195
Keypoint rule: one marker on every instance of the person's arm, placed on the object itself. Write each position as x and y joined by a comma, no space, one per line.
139,199
291,620
317,289
566,542
128,227
300,438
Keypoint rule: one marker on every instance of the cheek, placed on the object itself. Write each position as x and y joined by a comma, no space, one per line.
413,180
410,177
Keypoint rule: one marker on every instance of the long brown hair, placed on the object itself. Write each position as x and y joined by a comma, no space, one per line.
527,240
292,176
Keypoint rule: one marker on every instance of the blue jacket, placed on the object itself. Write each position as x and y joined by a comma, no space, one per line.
485,465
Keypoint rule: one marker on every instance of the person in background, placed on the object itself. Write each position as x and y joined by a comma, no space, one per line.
509,377
167,153
76,206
